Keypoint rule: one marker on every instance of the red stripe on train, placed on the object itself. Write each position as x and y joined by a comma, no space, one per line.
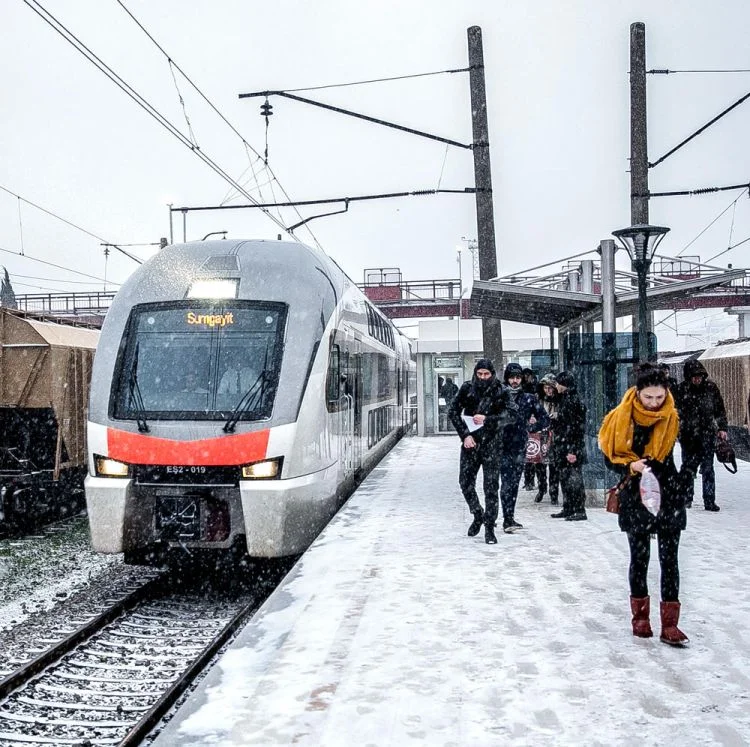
137,448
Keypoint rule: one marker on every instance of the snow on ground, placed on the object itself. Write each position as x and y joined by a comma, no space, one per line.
398,629
37,573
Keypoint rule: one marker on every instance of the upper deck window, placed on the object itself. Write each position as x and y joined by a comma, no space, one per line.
199,360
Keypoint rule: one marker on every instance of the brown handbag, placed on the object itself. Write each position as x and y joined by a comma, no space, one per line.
613,496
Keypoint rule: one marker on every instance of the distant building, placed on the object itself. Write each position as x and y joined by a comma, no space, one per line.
7,295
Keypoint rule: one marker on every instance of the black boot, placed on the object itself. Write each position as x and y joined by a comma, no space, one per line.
476,525
489,533
538,497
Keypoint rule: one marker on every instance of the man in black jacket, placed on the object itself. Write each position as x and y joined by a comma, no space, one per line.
479,412
569,449
702,419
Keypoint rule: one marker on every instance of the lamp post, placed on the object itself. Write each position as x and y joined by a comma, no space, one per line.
641,241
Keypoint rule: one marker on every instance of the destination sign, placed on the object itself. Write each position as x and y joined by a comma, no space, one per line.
210,320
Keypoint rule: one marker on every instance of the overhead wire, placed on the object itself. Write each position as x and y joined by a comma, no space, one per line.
246,144
71,224
52,264
376,80
690,243
77,44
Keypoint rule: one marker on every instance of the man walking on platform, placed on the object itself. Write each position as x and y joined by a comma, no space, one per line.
479,412
569,449
702,419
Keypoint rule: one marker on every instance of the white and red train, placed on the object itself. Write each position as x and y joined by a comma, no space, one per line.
240,392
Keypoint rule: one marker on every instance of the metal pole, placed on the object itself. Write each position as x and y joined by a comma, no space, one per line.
184,226
607,250
638,126
458,318
171,227
641,268
638,143
491,328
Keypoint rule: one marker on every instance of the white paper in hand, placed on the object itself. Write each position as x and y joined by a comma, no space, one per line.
470,424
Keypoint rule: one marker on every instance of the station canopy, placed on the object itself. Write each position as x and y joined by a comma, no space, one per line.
548,306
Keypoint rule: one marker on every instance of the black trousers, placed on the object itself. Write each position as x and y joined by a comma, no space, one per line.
640,554
489,460
511,469
571,484
529,473
554,481
700,455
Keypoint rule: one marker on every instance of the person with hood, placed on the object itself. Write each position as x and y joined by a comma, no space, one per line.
568,452
702,419
530,417
638,435
550,401
529,385
478,413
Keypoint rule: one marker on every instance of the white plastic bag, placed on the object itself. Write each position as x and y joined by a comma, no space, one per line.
650,491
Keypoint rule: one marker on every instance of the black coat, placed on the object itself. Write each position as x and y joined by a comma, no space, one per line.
493,402
516,434
701,410
569,428
634,516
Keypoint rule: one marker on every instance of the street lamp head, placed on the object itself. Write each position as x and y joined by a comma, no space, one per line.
641,240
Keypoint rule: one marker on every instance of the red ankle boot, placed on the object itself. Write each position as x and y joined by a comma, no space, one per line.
641,608
670,616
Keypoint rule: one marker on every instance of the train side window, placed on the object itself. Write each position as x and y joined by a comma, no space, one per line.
333,383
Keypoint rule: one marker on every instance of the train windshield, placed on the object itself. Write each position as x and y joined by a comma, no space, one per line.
199,361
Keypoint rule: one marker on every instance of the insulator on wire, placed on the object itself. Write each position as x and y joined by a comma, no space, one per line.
266,109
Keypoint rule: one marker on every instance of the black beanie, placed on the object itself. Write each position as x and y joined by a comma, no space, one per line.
485,363
512,369
565,379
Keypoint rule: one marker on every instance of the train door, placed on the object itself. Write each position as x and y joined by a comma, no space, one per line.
357,394
447,383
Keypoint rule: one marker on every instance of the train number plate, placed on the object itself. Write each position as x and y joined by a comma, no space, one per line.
178,518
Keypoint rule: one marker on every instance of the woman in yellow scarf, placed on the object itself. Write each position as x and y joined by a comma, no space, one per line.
640,433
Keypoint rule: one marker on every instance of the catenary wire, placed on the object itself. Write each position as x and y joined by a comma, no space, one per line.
246,144
52,264
55,24
376,80
71,224
690,243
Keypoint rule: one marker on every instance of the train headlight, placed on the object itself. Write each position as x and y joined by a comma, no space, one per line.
213,288
269,469
106,467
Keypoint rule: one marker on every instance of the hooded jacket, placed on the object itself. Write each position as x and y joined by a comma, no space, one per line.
478,397
701,408
570,426
516,434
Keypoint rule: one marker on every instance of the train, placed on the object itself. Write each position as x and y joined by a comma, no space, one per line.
45,368
240,392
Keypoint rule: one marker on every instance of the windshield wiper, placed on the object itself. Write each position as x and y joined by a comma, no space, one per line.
136,398
251,398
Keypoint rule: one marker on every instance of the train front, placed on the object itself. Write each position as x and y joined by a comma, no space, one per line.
183,428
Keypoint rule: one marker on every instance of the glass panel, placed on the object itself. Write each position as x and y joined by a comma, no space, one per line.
200,361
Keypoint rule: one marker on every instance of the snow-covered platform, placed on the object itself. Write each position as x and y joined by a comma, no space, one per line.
397,629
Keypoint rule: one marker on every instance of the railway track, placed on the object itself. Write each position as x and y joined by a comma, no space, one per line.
112,679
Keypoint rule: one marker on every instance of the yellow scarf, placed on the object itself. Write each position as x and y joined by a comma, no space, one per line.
616,433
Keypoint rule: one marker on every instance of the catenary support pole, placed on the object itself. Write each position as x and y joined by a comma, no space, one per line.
638,144
491,328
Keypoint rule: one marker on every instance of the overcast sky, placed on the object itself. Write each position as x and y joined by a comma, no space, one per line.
558,98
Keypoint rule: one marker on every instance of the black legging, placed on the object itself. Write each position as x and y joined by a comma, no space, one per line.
640,553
